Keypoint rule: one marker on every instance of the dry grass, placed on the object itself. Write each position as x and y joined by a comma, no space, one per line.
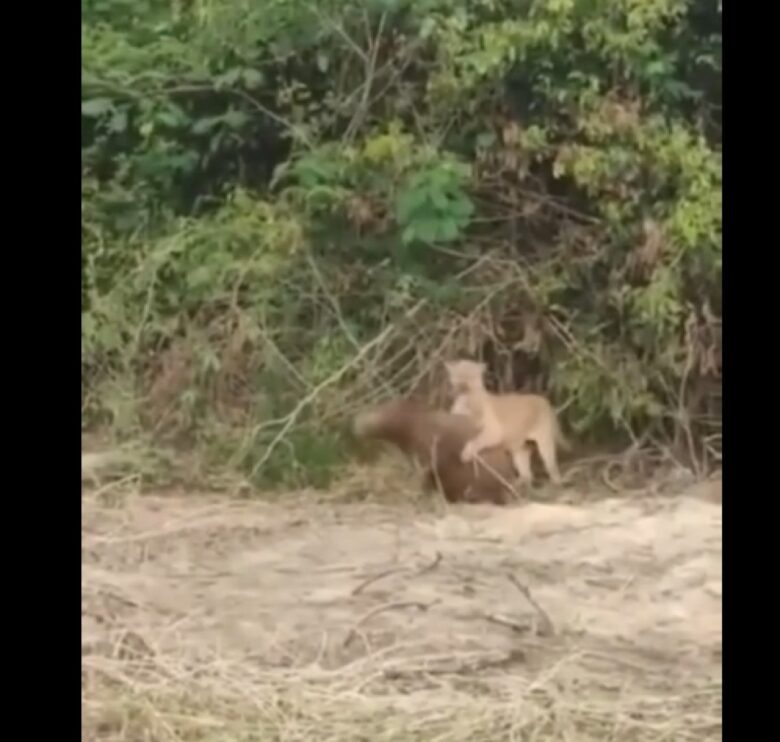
311,619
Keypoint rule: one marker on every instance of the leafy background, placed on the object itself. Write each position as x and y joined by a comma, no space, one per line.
291,209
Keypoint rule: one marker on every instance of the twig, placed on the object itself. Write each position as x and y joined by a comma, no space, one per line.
289,420
336,309
296,130
332,379
340,30
683,414
435,469
381,609
518,628
502,480
546,628
430,567
607,479
435,357
464,668
370,70
375,578
288,364
397,570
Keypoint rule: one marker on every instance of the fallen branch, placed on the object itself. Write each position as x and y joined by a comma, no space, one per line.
463,668
381,609
517,627
375,578
546,627
290,419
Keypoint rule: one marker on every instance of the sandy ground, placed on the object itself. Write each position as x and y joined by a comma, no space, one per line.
213,620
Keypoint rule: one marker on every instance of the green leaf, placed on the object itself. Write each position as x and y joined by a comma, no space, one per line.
186,162
118,122
448,230
439,199
427,27
88,325
409,235
205,125
96,107
235,119
461,207
408,202
173,117
229,79
199,277
486,140
427,230
656,68
253,78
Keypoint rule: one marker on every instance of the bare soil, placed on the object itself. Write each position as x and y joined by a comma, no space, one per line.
208,619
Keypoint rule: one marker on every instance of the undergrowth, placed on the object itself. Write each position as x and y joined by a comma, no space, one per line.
293,209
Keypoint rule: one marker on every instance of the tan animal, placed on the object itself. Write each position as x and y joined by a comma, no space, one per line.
511,420
435,439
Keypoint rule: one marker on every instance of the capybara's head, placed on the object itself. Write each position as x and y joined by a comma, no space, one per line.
387,417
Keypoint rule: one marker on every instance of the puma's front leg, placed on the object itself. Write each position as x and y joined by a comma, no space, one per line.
488,438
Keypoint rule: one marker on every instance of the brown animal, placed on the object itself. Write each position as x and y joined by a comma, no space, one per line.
435,439
511,420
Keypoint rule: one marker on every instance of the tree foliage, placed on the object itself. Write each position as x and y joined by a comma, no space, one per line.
291,207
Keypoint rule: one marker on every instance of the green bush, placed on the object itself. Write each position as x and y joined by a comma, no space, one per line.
293,208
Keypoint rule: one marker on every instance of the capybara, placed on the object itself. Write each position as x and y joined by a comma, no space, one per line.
435,439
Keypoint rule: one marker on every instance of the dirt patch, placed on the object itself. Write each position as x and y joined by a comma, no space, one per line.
251,621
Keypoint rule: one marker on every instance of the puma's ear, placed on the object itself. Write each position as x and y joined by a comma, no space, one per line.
482,366
449,366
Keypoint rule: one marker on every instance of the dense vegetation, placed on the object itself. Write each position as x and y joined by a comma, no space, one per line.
294,207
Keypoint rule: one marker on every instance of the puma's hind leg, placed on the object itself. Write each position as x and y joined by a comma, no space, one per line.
521,458
545,443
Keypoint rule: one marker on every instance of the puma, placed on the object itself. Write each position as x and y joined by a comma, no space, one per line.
511,420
